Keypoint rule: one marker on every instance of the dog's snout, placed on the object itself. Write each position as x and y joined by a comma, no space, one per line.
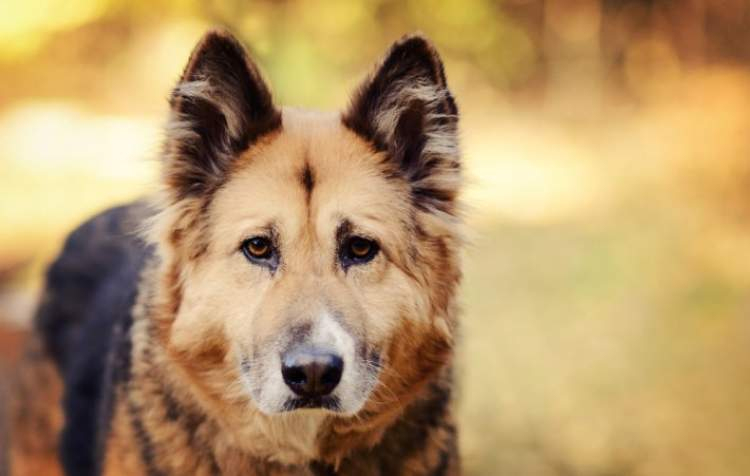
311,372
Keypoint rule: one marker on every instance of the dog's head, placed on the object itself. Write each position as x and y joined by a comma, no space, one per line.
309,260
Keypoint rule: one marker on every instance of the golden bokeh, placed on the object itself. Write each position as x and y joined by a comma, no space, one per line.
606,300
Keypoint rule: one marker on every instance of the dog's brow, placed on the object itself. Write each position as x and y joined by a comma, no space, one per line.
343,230
268,229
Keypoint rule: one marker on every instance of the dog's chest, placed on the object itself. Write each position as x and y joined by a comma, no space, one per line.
282,446
290,439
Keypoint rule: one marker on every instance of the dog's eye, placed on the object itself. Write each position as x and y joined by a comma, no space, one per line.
360,247
257,248
358,250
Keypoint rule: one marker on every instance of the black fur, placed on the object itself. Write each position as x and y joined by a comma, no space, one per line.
83,320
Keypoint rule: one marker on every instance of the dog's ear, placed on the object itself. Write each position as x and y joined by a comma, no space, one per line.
220,106
406,110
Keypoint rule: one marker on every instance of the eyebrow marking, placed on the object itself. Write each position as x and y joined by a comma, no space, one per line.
343,230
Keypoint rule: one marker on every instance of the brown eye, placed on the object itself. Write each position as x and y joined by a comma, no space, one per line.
257,248
360,247
358,250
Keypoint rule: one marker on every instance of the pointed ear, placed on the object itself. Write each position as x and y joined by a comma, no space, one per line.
220,106
406,110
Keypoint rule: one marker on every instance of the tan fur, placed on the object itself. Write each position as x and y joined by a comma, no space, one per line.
393,297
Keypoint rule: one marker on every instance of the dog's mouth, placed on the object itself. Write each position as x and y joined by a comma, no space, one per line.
327,402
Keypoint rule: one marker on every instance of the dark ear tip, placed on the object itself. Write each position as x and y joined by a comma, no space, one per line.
217,41
415,44
415,40
417,48
218,36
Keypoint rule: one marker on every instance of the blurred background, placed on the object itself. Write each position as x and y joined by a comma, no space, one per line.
607,148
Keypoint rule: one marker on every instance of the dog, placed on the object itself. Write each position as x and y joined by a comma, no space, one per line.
285,305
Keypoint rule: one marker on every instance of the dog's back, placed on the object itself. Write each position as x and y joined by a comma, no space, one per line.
89,291
90,284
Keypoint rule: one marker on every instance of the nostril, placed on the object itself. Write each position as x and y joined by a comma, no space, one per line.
294,375
311,372
332,371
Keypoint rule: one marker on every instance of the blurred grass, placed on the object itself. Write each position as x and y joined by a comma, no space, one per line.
613,339
605,329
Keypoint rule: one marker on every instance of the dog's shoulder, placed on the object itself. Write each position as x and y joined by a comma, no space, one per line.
99,263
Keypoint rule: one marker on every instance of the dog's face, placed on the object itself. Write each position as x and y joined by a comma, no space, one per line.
311,258
302,267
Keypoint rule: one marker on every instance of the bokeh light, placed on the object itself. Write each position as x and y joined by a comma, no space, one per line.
607,153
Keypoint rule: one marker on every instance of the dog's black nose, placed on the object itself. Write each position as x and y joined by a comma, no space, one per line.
311,372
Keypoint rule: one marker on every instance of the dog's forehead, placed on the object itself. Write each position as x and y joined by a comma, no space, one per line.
312,166
309,146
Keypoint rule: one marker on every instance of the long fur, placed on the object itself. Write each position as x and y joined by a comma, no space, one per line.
185,334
